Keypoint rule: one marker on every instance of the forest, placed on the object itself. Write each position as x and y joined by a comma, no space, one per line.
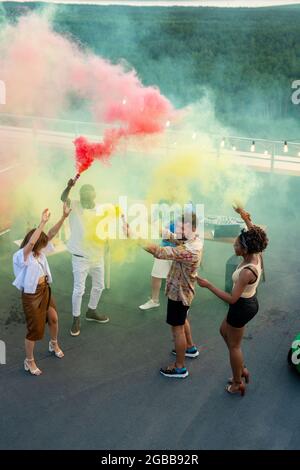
245,60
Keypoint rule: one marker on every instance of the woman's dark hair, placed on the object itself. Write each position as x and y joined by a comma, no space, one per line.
39,245
254,240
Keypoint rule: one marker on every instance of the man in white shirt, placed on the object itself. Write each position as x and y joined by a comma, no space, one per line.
87,259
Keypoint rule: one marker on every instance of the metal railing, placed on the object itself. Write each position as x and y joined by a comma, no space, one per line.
261,154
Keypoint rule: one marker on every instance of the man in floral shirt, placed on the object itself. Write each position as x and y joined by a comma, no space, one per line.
180,290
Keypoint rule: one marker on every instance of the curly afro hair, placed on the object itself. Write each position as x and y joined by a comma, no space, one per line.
254,240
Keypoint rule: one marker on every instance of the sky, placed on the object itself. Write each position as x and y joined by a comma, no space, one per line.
213,3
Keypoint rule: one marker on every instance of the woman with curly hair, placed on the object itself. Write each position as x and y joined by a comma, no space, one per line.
243,304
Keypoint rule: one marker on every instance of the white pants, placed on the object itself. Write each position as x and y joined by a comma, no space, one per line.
81,268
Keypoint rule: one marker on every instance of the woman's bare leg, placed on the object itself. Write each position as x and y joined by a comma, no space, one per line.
234,340
53,328
29,349
223,330
155,285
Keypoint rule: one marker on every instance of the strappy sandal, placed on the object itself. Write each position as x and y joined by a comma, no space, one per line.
245,375
36,371
241,389
59,353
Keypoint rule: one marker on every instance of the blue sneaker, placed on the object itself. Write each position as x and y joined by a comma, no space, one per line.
190,352
176,372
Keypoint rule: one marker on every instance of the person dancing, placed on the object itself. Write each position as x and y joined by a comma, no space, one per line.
243,303
161,267
86,258
160,271
33,278
186,258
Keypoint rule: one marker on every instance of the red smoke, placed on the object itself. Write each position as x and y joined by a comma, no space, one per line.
111,94
144,112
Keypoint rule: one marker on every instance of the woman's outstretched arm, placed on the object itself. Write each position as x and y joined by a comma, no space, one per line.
55,229
245,216
36,234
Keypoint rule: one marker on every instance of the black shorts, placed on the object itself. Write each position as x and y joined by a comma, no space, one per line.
176,313
240,313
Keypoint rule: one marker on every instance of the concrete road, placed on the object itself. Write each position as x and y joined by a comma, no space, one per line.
107,392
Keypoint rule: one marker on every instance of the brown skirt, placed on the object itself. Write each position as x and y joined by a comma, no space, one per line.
35,308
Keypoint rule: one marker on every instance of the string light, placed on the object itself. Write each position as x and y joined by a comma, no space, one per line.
253,148
124,101
168,124
194,135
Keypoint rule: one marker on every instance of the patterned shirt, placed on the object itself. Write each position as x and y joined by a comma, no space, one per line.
180,283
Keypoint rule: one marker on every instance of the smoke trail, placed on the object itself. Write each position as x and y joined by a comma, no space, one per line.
54,68
60,80
144,111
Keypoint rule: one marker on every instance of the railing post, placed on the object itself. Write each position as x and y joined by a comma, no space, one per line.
273,157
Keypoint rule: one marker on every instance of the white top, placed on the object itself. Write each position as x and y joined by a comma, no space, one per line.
77,244
28,272
250,289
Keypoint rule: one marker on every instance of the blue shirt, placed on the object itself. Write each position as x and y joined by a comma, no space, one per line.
167,242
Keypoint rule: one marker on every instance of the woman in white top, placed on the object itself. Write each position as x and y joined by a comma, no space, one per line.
33,279
243,304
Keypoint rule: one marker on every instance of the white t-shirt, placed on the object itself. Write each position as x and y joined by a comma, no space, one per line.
79,242
27,273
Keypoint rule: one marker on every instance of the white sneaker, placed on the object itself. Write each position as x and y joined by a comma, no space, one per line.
149,304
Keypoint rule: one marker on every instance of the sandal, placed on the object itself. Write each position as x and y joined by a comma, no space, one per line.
36,371
245,375
59,353
241,389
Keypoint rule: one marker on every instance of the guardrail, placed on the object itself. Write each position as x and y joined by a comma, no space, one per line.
260,154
